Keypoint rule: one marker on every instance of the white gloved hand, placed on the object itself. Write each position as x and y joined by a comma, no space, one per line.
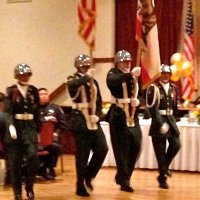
164,128
39,140
90,72
55,137
94,118
135,102
55,134
50,118
136,71
13,132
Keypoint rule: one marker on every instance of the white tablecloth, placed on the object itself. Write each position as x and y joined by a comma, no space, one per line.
188,158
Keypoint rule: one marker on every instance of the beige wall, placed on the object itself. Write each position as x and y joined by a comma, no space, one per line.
43,34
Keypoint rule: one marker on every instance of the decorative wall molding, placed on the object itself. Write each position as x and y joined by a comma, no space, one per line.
18,1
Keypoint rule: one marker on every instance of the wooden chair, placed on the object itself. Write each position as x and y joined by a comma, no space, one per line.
46,138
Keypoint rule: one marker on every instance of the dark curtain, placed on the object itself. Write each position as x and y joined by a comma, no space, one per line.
125,16
169,18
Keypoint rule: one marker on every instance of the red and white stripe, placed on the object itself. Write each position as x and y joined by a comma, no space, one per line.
87,20
188,82
189,53
188,47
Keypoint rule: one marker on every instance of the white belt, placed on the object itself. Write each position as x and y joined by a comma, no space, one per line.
80,105
25,116
124,100
120,101
120,105
166,112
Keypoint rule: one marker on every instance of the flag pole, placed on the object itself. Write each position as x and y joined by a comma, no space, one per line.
93,92
138,53
196,39
91,56
184,12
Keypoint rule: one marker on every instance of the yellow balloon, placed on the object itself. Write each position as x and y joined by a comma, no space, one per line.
175,76
176,58
174,69
107,106
186,68
179,65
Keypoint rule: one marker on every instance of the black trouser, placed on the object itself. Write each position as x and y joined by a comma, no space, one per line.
16,155
87,141
7,175
126,143
164,154
52,157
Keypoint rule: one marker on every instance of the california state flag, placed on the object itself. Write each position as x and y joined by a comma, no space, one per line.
148,44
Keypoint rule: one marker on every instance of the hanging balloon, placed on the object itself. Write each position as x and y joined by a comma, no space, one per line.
174,69
176,59
175,76
179,65
107,105
186,68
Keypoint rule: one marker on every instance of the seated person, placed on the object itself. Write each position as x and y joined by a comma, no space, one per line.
53,122
2,124
3,129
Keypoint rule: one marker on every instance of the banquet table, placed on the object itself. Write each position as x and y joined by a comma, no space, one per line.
188,158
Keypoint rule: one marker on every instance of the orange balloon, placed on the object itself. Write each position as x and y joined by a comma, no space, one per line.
176,59
175,76
174,68
186,68
179,65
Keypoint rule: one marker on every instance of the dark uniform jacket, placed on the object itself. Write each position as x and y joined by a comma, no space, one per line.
2,133
17,104
167,102
55,111
2,126
74,82
115,78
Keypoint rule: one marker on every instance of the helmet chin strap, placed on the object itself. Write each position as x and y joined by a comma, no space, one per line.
22,83
124,69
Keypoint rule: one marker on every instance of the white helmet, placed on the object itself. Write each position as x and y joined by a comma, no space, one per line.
82,60
122,55
21,69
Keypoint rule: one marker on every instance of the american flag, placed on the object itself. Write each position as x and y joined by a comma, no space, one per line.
188,51
87,20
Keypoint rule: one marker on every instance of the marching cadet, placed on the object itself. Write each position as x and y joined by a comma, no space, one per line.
124,125
21,142
87,108
162,100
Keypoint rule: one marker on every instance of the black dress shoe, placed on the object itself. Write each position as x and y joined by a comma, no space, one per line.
126,188
88,183
30,195
47,176
52,172
7,186
163,182
118,180
81,191
18,197
163,185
